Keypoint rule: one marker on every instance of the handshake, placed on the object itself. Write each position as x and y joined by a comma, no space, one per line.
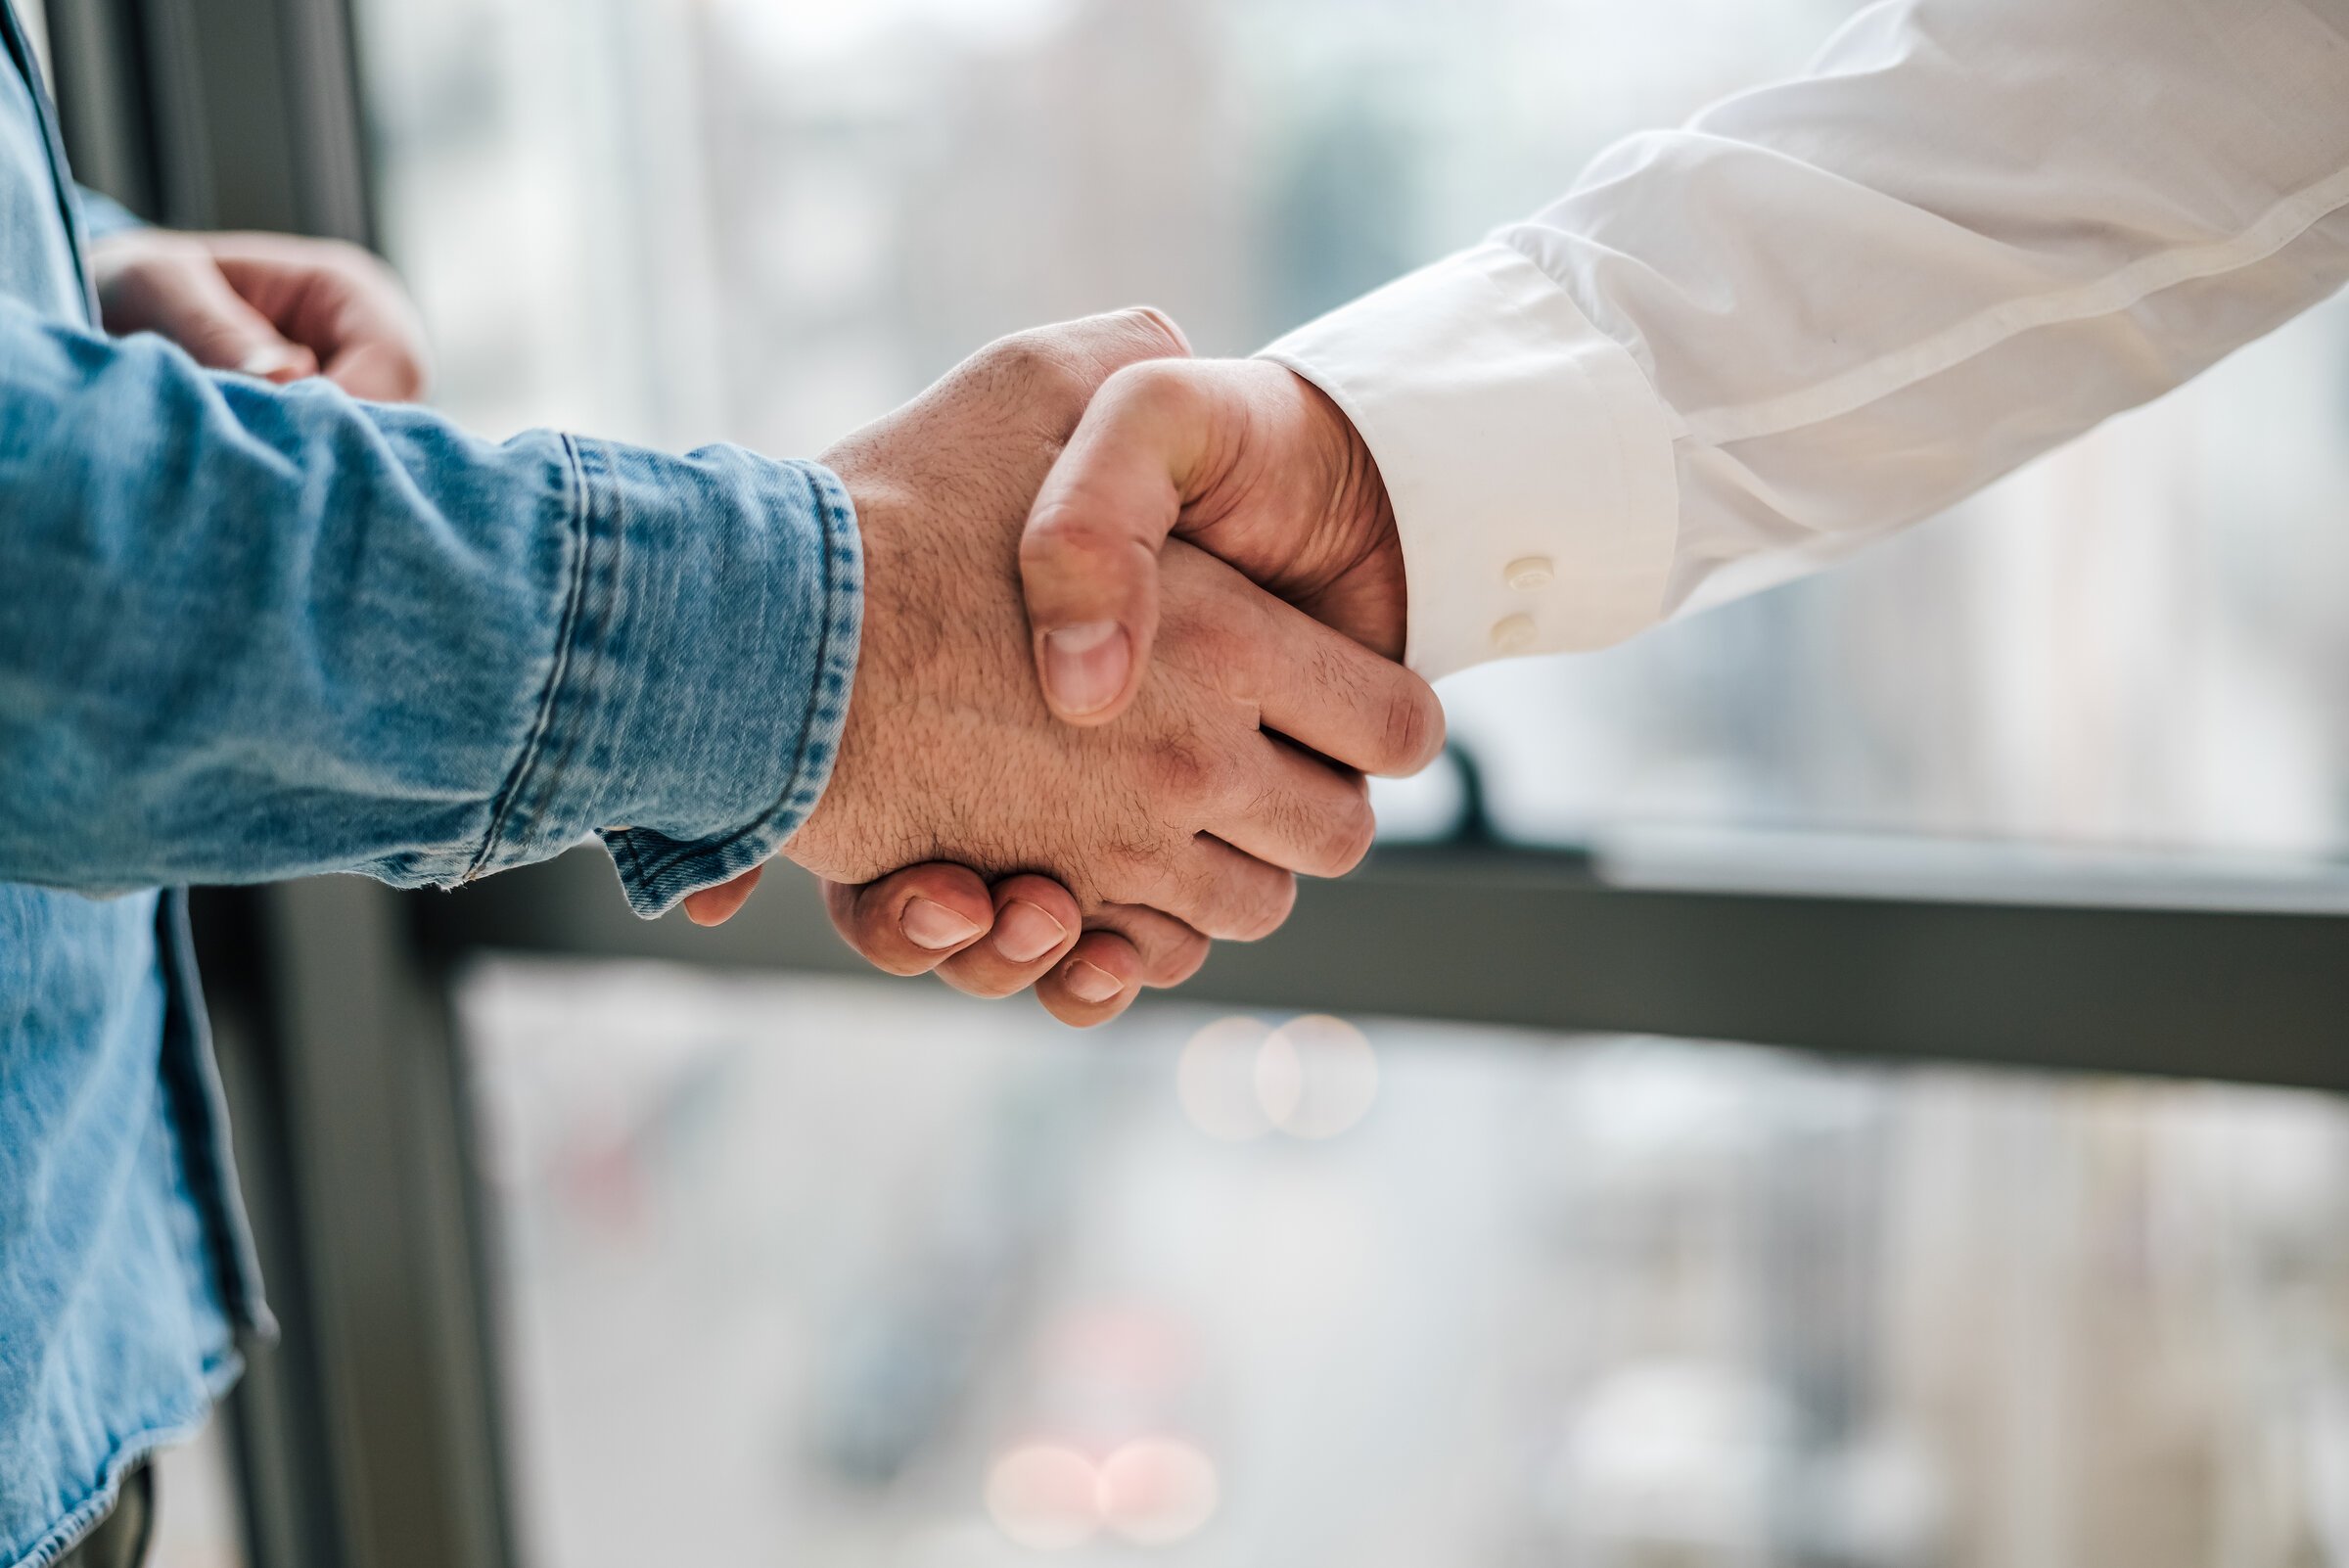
1131,632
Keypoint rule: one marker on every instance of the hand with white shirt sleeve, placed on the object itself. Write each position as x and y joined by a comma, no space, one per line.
1739,351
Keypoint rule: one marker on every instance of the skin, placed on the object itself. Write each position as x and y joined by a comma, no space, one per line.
1239,761
1242,458
268,305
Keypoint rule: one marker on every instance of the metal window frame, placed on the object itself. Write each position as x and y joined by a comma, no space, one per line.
372,1435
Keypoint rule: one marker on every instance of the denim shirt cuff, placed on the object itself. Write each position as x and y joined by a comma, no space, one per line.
783,714
709,649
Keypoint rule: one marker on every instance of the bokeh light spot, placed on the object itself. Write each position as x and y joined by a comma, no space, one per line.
1044,1497
1157,1492
1216,1079
1317,1076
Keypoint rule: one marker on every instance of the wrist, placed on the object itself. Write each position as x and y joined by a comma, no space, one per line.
1349,569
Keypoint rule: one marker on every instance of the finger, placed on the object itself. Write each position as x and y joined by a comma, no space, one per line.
1221,893
1171,952
1317,686
340,301
1134,947
1036,922
381,372
911,921
1045,378
1088,559
1300,812
715,907
1093,349
206,318
1097,980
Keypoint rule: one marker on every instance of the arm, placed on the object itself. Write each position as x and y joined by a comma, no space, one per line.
256,631
1743,349
1737,351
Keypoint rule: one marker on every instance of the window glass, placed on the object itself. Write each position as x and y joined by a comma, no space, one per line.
855,1273
768,220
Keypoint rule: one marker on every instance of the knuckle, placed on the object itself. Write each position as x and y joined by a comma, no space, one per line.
1183,773
1177,960
1157,391
1410,732
1068,524
1126,873
1031,361
1266,914
1154,331
1351,840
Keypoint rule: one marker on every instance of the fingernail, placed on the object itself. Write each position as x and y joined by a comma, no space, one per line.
268,360
1084,666
1090,981
927,923
1025,932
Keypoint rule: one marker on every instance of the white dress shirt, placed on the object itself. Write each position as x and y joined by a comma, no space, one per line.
1822,310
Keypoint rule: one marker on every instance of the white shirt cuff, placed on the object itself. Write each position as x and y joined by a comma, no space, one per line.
1528,459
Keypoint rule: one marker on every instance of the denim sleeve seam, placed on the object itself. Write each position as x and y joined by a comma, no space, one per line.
835,525
578,503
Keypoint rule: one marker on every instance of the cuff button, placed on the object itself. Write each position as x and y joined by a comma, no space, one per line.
1530,571
1513,633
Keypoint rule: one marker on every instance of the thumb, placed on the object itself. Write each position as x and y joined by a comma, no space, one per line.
1089,560
216,327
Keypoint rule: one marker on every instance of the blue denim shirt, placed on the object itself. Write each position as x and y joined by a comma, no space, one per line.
250,632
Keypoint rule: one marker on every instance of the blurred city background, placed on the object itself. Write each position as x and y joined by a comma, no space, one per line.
858,1272
804,1271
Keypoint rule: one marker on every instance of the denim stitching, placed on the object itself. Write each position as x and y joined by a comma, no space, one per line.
579,501
219,1376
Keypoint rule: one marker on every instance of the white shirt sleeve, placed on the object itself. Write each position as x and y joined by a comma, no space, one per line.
1822,310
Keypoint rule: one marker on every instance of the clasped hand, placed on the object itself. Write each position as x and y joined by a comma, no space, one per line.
1079,747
